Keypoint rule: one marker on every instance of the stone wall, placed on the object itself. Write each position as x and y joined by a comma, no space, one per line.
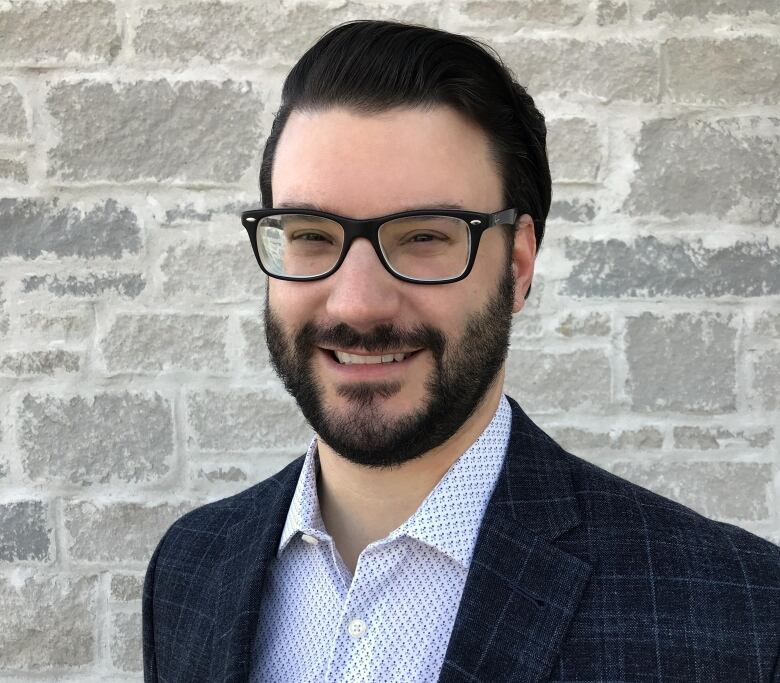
133,378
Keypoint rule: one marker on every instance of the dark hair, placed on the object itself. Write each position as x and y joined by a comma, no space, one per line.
373,66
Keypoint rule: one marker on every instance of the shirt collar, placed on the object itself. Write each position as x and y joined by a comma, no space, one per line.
304,513
450,516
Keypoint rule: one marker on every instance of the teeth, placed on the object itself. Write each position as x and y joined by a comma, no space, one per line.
354,359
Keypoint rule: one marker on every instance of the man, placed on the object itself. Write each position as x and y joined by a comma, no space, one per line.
432,531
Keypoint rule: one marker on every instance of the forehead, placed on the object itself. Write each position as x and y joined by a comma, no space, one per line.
365,165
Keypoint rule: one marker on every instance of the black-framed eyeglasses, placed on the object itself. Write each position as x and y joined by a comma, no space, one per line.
426,246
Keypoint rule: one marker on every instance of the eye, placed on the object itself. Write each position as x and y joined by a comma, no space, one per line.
419,237
310,236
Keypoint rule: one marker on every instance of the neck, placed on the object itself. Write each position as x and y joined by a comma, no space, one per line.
360,505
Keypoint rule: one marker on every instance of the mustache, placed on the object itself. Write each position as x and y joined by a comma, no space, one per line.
384,337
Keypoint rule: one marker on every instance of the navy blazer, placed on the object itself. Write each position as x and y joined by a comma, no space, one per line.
577,575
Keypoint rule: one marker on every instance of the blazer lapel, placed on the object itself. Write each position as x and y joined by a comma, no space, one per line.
250,548
521,591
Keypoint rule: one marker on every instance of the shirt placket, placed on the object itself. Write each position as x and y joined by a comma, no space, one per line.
360,632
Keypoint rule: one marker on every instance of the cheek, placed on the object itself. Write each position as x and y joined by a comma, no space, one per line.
293,302
447,311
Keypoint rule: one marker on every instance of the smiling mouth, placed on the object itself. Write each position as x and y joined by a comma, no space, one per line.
344,358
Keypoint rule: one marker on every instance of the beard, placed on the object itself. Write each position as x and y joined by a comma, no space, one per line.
464,370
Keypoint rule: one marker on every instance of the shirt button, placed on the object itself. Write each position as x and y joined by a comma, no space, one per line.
309,539
357,628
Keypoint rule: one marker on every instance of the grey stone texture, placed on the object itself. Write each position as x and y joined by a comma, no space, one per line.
66,32
126,587
32,363
156,342
67,327
212,272
208,31
683,363
568,67
548,382
768,325
611,12
650,267
106,438
573,150
716,438
591,324
733,491
255,349
33,227
187,131
572,210
515,16
733,71
246,420
14,170
702,9
577,439
187,213
89,286
13,120
48,622
25,532
221,474
241,31
4,318
117,532
126,641
729,167
766,379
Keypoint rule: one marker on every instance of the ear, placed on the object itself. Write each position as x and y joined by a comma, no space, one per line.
523,258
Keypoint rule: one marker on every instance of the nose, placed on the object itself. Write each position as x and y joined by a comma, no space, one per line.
361,292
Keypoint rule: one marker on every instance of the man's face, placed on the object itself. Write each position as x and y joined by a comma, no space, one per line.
453,337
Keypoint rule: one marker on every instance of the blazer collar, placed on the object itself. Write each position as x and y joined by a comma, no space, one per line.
250,547
535,486
521,591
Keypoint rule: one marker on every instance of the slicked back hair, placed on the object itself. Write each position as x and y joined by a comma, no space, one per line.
373,66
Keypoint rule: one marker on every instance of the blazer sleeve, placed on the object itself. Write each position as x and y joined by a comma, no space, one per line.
147,611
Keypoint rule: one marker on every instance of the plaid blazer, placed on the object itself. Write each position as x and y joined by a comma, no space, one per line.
577,575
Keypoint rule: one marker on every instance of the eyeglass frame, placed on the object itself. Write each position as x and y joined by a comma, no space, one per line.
369,228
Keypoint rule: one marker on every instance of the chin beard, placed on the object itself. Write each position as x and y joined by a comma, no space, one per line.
464,370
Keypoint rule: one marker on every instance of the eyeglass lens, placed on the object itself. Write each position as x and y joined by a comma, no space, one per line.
418,247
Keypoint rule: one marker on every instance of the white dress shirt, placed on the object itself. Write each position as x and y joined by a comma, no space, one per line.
392,621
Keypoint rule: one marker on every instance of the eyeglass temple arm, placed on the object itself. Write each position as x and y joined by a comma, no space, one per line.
510,216
505,216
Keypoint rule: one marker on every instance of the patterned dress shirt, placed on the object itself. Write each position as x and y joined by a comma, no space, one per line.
391,621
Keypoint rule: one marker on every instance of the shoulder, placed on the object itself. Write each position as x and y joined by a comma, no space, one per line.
208,525
184,575
681,592
678,537
620,516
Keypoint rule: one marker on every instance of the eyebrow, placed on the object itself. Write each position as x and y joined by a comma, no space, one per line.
450,206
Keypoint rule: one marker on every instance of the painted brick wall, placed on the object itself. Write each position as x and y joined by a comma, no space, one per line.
133,377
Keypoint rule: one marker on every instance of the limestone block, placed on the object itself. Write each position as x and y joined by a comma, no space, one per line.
186,131
684,362
25,532
155,342
728,169
243,420
47,621
649,267
109,437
